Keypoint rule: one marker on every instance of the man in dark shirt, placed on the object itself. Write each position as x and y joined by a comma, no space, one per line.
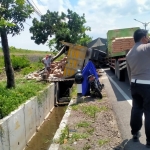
138,66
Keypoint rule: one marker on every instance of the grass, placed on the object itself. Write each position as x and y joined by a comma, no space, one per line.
75,136
68,148
103,108
91,110
75,107
23,67
18,52
86,147
14,50
1,61
83,124
90,130
23,62
64,135
74,91
101,142
10,99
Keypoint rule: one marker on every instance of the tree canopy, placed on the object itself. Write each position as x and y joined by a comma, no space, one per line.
13,14
64,27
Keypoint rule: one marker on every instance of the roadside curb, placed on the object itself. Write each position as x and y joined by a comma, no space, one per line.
62,125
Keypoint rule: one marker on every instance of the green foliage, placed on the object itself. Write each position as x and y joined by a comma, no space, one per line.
75,107
65,27
51,45
22,62
77,136
90,130
33,67
64,135
1,61
68,148
4,22
74,91
101,142
86,147
60,57
10,99
21,51
83,124
13,14
19,62
92,110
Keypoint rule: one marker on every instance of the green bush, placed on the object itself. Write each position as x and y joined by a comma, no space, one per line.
19,62
33,67
1,61
10,99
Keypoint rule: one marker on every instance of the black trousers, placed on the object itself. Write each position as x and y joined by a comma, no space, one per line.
140,104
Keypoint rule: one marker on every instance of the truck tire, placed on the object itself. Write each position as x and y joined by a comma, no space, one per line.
120,73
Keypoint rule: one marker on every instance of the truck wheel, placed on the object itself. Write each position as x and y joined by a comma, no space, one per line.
120,73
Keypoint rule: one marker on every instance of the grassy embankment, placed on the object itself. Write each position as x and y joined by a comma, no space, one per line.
23,62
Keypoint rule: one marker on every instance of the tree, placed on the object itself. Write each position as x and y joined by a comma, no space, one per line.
51,44
12,16
65,27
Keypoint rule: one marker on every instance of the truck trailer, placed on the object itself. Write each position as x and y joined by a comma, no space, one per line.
119,42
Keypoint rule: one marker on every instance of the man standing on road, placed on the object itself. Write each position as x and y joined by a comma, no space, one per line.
138,66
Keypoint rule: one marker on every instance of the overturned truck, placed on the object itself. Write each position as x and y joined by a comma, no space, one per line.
63,71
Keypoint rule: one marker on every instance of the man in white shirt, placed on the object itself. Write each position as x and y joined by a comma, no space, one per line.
47,62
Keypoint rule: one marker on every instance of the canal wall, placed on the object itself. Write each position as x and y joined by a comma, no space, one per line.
20,126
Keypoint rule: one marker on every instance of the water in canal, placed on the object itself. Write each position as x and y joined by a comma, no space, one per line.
43,138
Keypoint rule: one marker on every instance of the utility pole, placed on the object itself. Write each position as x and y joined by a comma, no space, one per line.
145,24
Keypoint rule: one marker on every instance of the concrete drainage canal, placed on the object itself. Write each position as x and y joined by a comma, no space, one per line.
44,136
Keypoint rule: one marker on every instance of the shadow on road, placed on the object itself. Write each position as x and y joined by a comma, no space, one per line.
130,145
124,86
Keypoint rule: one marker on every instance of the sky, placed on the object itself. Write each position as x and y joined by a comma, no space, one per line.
100,15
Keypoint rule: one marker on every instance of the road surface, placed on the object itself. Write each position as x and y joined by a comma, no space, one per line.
120,97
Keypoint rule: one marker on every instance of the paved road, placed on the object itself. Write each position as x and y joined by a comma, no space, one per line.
119,95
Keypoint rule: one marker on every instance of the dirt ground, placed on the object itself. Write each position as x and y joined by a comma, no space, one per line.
97,132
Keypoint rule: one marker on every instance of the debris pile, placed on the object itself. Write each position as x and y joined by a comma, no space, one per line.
57,69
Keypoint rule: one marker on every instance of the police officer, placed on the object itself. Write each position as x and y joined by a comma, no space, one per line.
138,66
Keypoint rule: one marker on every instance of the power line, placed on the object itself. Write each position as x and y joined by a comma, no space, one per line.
33,8
36,7
27,24
38,13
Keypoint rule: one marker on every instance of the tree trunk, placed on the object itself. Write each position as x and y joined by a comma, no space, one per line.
7,61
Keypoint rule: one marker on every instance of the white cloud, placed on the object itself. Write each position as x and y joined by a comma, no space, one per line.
116,2
141,2
101,16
